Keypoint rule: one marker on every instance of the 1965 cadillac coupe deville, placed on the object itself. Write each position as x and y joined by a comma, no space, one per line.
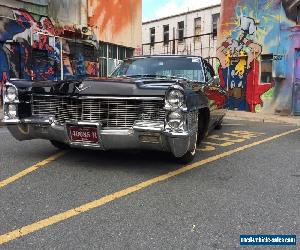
166,103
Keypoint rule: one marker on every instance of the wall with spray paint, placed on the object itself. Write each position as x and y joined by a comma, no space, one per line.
75,39
32,49
258,42
123,24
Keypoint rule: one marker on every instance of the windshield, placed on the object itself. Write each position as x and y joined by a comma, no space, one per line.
168,67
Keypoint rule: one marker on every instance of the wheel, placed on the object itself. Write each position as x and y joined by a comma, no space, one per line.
202,130
189,155
60,145
219,125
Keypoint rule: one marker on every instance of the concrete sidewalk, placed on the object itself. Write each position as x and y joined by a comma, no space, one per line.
261,117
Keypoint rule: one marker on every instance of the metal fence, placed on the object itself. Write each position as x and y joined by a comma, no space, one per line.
203,45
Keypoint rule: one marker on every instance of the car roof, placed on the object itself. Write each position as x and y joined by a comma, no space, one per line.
166,55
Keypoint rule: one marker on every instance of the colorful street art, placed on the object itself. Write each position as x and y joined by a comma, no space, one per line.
123,24
77,40
259,42
239,65
31,49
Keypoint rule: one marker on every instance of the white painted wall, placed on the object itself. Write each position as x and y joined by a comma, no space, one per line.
206,47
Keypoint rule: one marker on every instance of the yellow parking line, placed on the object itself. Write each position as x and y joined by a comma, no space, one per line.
231,124
27,171
20,232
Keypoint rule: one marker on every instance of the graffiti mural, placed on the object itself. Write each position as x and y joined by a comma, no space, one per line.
21,60
31,49
77,40
258,40
239,67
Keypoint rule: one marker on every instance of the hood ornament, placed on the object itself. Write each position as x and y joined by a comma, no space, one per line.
81,87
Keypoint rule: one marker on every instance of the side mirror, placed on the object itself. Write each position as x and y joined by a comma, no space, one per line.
216,80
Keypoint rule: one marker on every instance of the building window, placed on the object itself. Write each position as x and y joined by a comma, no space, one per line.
215,22
112,51
121,53
102,49
197,31
152,36
266,68
129,52
180,31
166,34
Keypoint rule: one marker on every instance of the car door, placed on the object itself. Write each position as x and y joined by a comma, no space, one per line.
215,93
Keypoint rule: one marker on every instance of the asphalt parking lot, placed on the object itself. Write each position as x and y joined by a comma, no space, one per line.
244,180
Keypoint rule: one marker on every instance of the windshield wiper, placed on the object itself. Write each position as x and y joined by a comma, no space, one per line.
156,76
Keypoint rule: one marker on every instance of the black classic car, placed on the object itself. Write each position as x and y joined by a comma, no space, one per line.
166,103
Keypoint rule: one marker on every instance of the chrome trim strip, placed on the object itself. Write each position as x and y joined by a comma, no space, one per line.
146,98
11,121
151,126
116,132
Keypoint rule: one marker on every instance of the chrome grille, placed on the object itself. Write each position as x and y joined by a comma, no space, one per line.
111,113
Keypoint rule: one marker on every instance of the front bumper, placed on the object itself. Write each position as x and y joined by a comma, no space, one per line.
143,135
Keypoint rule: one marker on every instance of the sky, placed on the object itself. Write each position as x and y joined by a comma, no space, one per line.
153,9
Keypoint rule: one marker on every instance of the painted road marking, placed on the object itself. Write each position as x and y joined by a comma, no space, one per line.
27,171
231,124
20,232
228,139
235,136
225,144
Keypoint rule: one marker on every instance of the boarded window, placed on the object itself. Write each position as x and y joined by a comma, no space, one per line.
266,68
166,34
152,36
215,23
198,27
180,31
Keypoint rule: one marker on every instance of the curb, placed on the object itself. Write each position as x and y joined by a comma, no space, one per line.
1,117
264,119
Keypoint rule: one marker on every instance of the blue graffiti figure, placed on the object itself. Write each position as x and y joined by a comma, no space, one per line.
80,67
9,30
235,83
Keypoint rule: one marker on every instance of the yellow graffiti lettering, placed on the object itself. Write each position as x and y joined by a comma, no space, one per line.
241,66
227,58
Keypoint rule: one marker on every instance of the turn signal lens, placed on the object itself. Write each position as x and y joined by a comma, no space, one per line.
12,111
175,119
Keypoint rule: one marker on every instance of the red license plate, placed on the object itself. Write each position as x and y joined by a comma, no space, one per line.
83,134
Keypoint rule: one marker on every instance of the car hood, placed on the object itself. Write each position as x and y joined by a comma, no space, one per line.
104,86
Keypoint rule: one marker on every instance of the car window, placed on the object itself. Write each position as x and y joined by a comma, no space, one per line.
184,67
209,71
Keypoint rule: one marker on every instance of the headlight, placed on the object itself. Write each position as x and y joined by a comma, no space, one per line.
11,93
12,111
175,119
175,98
